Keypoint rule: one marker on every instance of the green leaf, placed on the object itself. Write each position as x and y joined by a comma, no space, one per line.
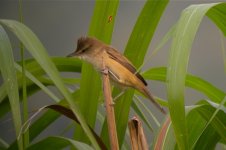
10,81
208,140
195,124
38,83
101,27
143,31
39,125
186,29
162,42
62,64
213,93
3,144
58,143
217,15
34,46
5,106
165,139
135,51
197,118
205,135
213,118
138,109
68,113
46,119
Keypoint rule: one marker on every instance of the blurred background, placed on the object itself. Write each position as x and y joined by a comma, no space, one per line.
59,23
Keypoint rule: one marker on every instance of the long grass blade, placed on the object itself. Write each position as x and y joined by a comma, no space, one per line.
37,50
9,76
165,139
135,51
197,117
223,51
59,143
213,93
62,64
41,123
101,27
162,42
217,15
4,144
141,114
24,90
206,124
215,115
187,27
38,83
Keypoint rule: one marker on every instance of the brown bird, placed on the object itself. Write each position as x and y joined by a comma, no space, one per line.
120,68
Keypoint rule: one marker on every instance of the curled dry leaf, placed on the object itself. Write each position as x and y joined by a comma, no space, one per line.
137,137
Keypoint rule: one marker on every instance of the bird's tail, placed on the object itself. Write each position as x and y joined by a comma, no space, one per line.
146,92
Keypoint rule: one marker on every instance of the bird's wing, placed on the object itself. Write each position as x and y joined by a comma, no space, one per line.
114,54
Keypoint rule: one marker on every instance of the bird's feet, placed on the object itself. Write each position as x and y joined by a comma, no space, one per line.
104,71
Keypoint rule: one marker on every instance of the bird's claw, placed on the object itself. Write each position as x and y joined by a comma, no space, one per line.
112,104
104,71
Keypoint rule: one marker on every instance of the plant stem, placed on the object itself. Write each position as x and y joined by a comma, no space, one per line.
110,110
25,102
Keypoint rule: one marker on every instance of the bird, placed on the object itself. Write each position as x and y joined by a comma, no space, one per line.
120,69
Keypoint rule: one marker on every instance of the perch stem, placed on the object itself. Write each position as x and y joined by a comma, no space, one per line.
109,109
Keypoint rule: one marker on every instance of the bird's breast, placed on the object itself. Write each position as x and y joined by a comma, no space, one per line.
95,61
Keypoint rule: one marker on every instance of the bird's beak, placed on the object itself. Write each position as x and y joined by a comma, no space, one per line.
72,54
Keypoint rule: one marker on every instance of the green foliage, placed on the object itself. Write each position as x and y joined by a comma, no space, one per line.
142,33
101,28
199,126
10,81
34,46
184,35
59,143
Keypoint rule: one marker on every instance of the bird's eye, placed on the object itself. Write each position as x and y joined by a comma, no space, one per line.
84,50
